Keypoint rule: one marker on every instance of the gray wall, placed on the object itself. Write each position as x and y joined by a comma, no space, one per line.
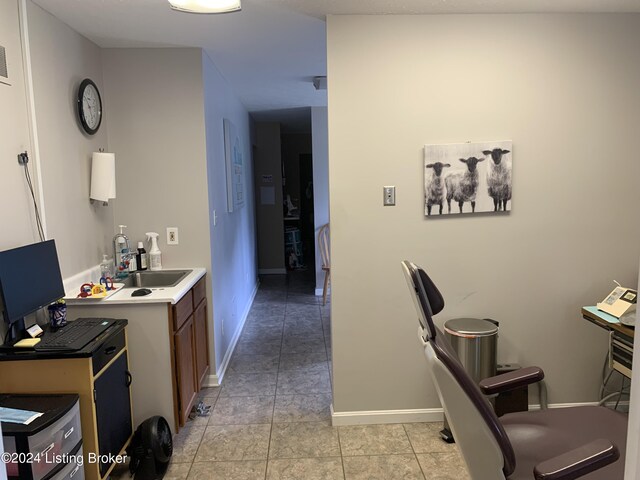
320,182
16,214
270,221
157,132
233,238
569,100
61,58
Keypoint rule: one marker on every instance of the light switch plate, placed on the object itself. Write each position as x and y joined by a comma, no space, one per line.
389,198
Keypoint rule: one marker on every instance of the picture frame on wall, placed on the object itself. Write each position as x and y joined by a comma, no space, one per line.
234,162
468,178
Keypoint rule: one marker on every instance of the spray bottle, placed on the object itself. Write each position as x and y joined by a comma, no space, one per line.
155,255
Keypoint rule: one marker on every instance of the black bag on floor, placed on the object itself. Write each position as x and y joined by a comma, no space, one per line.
151,449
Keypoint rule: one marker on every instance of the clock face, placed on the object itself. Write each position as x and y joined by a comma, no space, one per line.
89,106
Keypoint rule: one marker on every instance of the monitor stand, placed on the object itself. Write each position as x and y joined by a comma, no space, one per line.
16,332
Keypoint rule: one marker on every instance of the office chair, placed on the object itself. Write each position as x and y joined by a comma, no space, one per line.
556,444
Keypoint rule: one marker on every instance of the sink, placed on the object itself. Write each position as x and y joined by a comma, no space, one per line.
155,279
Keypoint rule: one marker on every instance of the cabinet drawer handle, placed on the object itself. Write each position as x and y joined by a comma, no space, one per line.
66,435
74,471
129,378
110,350
47,449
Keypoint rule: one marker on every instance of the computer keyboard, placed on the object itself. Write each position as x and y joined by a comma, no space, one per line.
74,335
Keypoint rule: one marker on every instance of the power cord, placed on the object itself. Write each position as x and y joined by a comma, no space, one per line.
23,159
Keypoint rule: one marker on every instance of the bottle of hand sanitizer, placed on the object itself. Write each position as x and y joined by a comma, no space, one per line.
155,255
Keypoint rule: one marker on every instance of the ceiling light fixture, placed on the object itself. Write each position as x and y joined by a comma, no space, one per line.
205,6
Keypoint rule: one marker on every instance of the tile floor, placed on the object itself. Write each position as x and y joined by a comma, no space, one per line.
270,418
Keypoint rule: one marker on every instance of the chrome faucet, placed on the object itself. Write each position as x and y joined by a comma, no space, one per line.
121,254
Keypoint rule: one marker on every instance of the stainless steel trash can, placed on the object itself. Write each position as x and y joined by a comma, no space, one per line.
475,340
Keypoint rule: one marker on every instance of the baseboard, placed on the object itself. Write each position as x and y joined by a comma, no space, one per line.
272,271
375,417
216,380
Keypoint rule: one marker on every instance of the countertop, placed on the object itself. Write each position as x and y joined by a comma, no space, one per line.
158,295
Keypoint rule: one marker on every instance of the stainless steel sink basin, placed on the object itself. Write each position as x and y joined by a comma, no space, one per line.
155,279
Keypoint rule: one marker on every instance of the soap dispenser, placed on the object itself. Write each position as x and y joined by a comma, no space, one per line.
155,255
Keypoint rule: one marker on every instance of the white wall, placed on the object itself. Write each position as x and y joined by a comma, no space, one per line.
16,215
233,238
320,145
60,59
564,88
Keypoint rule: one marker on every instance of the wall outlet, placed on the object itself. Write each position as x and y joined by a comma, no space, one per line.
389,198
172,236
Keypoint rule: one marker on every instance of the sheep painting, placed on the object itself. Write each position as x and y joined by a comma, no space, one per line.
475,177
463,186
498,179
434,186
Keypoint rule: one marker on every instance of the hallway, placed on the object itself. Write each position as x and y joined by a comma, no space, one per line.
271,419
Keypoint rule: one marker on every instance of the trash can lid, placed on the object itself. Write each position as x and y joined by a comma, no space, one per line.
470,327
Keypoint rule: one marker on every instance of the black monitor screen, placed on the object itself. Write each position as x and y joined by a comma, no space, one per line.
30,279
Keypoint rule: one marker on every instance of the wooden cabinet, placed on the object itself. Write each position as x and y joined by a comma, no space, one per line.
190,349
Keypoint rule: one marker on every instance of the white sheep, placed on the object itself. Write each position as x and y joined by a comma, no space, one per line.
434,187
498,179
462,186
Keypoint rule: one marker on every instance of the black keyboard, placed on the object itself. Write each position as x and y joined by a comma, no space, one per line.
74,335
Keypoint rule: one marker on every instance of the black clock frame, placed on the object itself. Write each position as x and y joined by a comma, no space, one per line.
83,86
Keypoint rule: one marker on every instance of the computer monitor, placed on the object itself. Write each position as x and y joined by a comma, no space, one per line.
30,279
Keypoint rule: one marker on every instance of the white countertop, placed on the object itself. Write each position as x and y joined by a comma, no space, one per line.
158,295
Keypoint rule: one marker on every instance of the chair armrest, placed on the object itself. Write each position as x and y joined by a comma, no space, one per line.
511,380
578,462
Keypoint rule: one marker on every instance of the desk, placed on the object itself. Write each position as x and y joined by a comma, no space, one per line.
98,374
620,339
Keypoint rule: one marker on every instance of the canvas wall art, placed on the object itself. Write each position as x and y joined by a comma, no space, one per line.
467,178
234,167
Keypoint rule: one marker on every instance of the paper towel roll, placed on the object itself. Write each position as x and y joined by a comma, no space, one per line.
103,176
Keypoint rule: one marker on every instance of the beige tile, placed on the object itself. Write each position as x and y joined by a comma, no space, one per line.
382,467
254,363
425,438
185,444
303,344
305,468
209,393
302,408
304,381
303,440
177,471
253,346
374,440
234,442
443,466
248,384
239,410
253,470
299,361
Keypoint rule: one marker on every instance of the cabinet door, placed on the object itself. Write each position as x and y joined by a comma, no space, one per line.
185,369
113,409
201,343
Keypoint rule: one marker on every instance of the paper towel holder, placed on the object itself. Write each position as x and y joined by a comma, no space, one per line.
103,177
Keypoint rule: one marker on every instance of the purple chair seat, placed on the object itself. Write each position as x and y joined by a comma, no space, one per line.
537,436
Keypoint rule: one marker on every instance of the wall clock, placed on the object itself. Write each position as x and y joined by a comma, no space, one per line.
89,106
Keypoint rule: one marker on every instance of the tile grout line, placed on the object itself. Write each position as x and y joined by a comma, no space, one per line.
413,450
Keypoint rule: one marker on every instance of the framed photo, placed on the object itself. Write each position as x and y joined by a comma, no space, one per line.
467,178
234,167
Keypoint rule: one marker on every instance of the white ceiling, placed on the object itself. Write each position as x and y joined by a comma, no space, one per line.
270,51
